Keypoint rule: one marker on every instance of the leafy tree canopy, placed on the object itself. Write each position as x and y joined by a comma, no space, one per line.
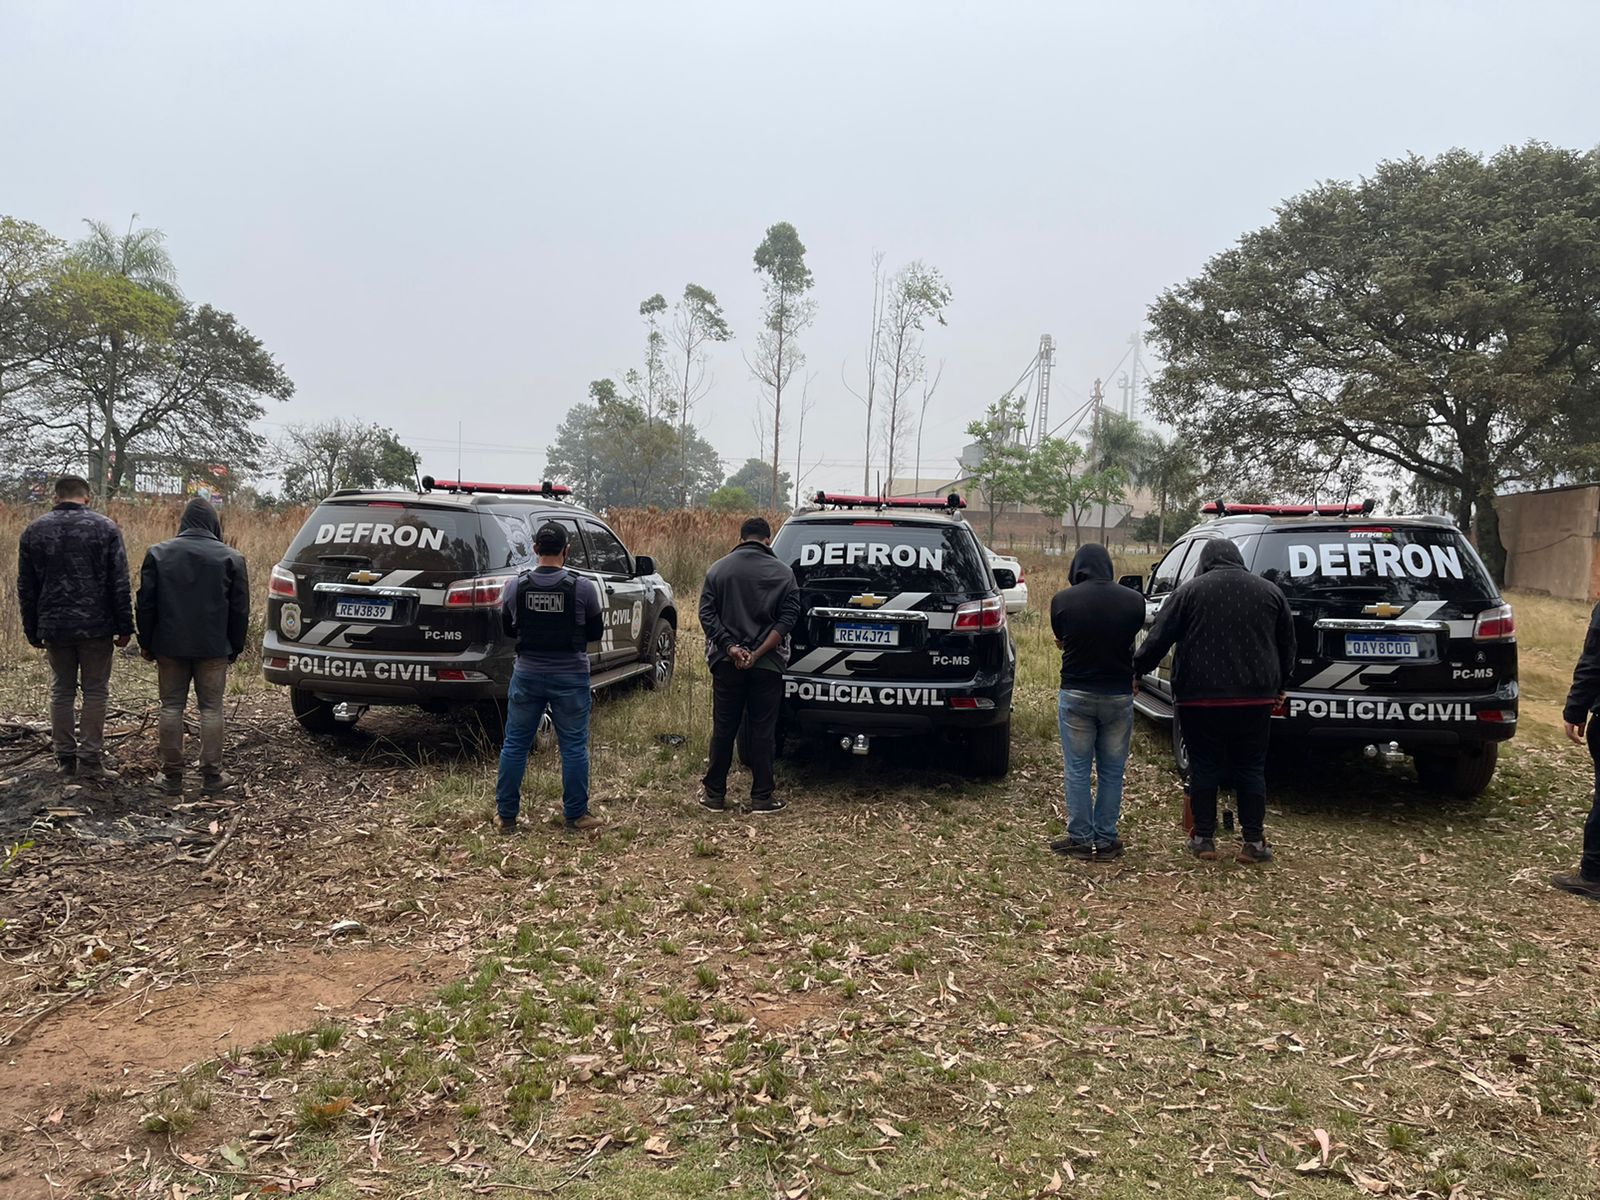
612,454
318,459
1440,317
755,478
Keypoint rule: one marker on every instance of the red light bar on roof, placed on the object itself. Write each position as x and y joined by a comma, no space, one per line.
843,500
468,487
1223,508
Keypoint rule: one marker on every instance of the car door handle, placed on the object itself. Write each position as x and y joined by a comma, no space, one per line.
611,589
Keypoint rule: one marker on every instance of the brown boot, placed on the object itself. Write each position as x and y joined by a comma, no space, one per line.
585,823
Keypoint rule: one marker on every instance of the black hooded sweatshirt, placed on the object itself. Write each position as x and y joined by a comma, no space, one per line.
1095,621
1233,631
194,592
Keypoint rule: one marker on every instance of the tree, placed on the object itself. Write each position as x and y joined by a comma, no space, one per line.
755,480
868,398
1169,469
697,323
916,294
30,259
1441,317
105,364
321,458
1003,475
139,256
781,260
1116,445
612,455
1060,482
731,499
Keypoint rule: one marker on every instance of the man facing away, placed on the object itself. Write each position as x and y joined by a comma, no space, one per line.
1578,716
1235,640
554,614
193,614
749,603
72,586
1095,622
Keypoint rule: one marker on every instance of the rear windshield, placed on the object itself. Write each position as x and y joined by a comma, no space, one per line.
883,555
1403,564
392,537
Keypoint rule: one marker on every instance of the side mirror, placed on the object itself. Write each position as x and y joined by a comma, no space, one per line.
1004,578
643,564
1136,582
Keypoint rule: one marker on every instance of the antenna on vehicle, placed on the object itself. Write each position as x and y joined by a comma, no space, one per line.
458,449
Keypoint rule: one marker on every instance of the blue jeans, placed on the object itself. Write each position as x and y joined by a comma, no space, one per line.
568,699
1096,731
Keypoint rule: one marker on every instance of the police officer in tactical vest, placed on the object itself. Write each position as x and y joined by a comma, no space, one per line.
554,615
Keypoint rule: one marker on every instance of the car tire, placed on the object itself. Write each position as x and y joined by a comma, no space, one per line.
1464,775
663,655
314,715
989,751
1180,749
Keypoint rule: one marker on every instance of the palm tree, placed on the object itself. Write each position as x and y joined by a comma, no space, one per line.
139,256
1169,469
1116,447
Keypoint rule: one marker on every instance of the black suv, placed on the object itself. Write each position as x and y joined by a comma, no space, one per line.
394,598
1404,642
904,627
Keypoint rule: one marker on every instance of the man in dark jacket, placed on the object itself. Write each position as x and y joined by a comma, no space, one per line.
1095,621
193,614
1582,727
554,614
748,606
1235,640
72,585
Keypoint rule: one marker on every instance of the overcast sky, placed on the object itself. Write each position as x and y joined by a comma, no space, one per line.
443,212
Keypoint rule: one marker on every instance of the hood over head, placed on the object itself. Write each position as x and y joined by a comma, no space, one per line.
1219,552
198,514
1092,561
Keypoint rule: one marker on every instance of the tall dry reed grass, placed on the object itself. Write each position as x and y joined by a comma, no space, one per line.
683,543
259,535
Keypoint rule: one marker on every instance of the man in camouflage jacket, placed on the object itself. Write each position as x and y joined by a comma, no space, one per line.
72,584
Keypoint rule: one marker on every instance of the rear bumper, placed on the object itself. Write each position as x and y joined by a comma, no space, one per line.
376,677
884,708
1349,719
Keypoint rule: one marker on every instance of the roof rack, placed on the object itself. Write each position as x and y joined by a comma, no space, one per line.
950,503
1222,508
465,487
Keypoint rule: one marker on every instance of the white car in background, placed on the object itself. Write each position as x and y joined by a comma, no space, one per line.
1017,597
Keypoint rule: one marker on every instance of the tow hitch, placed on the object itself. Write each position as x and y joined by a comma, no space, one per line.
858,745
347,713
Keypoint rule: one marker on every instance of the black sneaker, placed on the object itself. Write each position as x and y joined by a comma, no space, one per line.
1251,853
172,785
713,803
1203,847
96,773
67,764
1109,850
1068,845
770,805
506,825
215,785
1578,884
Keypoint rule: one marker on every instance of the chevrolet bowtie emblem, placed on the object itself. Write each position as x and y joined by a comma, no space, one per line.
366,577
1383,610
868,600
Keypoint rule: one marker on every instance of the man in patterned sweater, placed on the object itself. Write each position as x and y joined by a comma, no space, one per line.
1235,648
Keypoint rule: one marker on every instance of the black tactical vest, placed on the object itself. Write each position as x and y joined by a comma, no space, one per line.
547,617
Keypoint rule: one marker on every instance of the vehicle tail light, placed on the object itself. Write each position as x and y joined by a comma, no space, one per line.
971,702
1496,625
1497,716
282,583
978,615
483,592
1022,576
278,664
